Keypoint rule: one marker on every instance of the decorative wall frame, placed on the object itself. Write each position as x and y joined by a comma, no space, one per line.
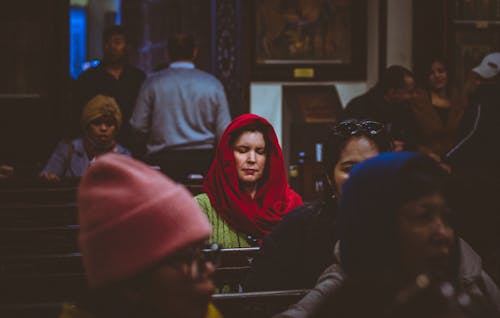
319,40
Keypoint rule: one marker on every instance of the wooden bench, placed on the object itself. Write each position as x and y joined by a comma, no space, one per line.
256,304
40,263
54,277
237,305
39,255
37,191
35,310
234,265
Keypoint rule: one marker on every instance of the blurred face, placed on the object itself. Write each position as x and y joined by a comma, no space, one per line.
425,235
102,130
356,150
250,157
115,48
402,96
181,286
438,77
472,82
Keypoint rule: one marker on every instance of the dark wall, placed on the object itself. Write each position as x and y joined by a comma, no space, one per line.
151,22
430,32
221,29
34,78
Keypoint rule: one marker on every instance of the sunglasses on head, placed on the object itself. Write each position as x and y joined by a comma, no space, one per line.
354,127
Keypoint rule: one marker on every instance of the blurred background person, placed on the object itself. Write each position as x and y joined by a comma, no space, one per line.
474,153
100,122
474,161
114,77
438,110
389,102
181,113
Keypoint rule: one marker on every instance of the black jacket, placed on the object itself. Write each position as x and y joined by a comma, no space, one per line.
477,152
297,250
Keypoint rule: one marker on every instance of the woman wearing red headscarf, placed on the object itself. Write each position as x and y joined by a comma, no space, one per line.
246,191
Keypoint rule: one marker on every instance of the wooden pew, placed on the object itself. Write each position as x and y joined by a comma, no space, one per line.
237,305
37,191
233,267
37,310
40,264
39,257
256,304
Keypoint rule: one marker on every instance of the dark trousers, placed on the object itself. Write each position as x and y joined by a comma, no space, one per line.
179,164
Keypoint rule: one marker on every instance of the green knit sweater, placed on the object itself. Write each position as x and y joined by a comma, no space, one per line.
222,232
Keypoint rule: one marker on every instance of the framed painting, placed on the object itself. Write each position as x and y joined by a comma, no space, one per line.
469,48
309,40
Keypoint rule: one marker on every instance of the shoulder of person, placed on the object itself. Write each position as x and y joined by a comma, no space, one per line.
301,216
208,76
123,151
360,103
90,72
203,201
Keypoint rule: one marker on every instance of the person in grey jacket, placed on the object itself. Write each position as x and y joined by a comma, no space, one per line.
180,113
394,225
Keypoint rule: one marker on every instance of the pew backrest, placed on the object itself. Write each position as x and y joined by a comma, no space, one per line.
256,304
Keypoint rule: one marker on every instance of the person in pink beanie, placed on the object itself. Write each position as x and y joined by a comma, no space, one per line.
141,238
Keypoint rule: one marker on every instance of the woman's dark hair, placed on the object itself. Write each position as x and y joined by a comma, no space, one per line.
423,74
338,137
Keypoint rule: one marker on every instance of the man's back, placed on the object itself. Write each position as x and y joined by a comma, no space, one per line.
179,109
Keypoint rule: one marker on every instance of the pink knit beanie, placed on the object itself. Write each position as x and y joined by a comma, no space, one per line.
131,217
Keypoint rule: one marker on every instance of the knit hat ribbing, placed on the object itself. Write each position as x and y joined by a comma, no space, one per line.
131,217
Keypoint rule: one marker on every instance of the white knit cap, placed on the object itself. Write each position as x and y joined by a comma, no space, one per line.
489,66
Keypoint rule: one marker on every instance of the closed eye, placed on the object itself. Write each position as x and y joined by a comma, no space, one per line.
261,151
242,149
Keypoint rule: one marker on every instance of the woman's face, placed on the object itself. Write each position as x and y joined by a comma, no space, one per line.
438,76
250,157
102,130
356,150
425,235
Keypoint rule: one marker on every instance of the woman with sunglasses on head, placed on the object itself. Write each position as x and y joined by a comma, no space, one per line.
246,191
101,119
142,239
298,249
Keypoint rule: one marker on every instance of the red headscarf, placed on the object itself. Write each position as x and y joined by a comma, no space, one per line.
273,199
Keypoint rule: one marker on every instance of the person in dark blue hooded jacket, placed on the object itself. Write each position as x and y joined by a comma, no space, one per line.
394,224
